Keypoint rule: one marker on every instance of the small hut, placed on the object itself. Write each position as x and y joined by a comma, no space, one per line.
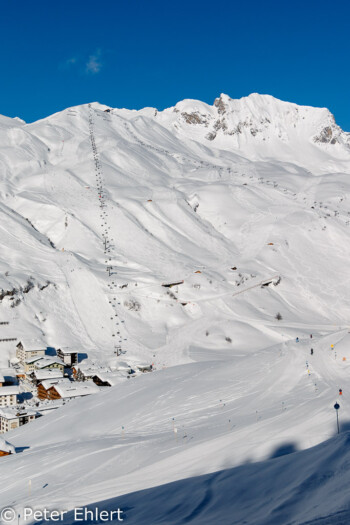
144,368
5,448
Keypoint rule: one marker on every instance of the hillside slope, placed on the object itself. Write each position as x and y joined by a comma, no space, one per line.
303,488
99,208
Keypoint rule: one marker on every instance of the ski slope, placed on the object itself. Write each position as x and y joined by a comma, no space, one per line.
100,208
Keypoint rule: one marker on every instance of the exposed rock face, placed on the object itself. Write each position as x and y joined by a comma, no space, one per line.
211,135
220,124
220,105
326,136
194,118
259,119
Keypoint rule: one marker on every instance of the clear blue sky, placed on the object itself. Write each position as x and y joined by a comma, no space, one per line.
136,53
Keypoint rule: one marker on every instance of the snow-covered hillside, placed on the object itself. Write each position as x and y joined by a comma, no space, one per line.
281,490
244,204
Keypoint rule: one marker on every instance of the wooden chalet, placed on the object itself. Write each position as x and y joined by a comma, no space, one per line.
65,389
46,388
107,378
86,371
72,389
38,376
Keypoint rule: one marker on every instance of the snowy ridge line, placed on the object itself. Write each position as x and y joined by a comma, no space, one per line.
173,155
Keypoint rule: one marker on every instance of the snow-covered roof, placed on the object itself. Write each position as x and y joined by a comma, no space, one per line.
122,365
143,366
49,373
67,351
43,410
76,389
14,413
6,447
48,383
101,370
90,369
8,413
111,377
48,361
87,365
32,345
7,373
9,390
33,359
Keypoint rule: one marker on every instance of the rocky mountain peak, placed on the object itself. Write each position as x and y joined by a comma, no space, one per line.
256,121
221,103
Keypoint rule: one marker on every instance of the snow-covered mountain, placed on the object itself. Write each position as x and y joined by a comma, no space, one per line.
244,204
263,127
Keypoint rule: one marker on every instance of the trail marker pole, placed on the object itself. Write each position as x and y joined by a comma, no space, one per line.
337,406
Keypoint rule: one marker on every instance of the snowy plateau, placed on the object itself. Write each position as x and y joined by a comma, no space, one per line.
242,209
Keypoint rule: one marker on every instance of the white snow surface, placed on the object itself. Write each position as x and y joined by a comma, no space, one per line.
225,198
